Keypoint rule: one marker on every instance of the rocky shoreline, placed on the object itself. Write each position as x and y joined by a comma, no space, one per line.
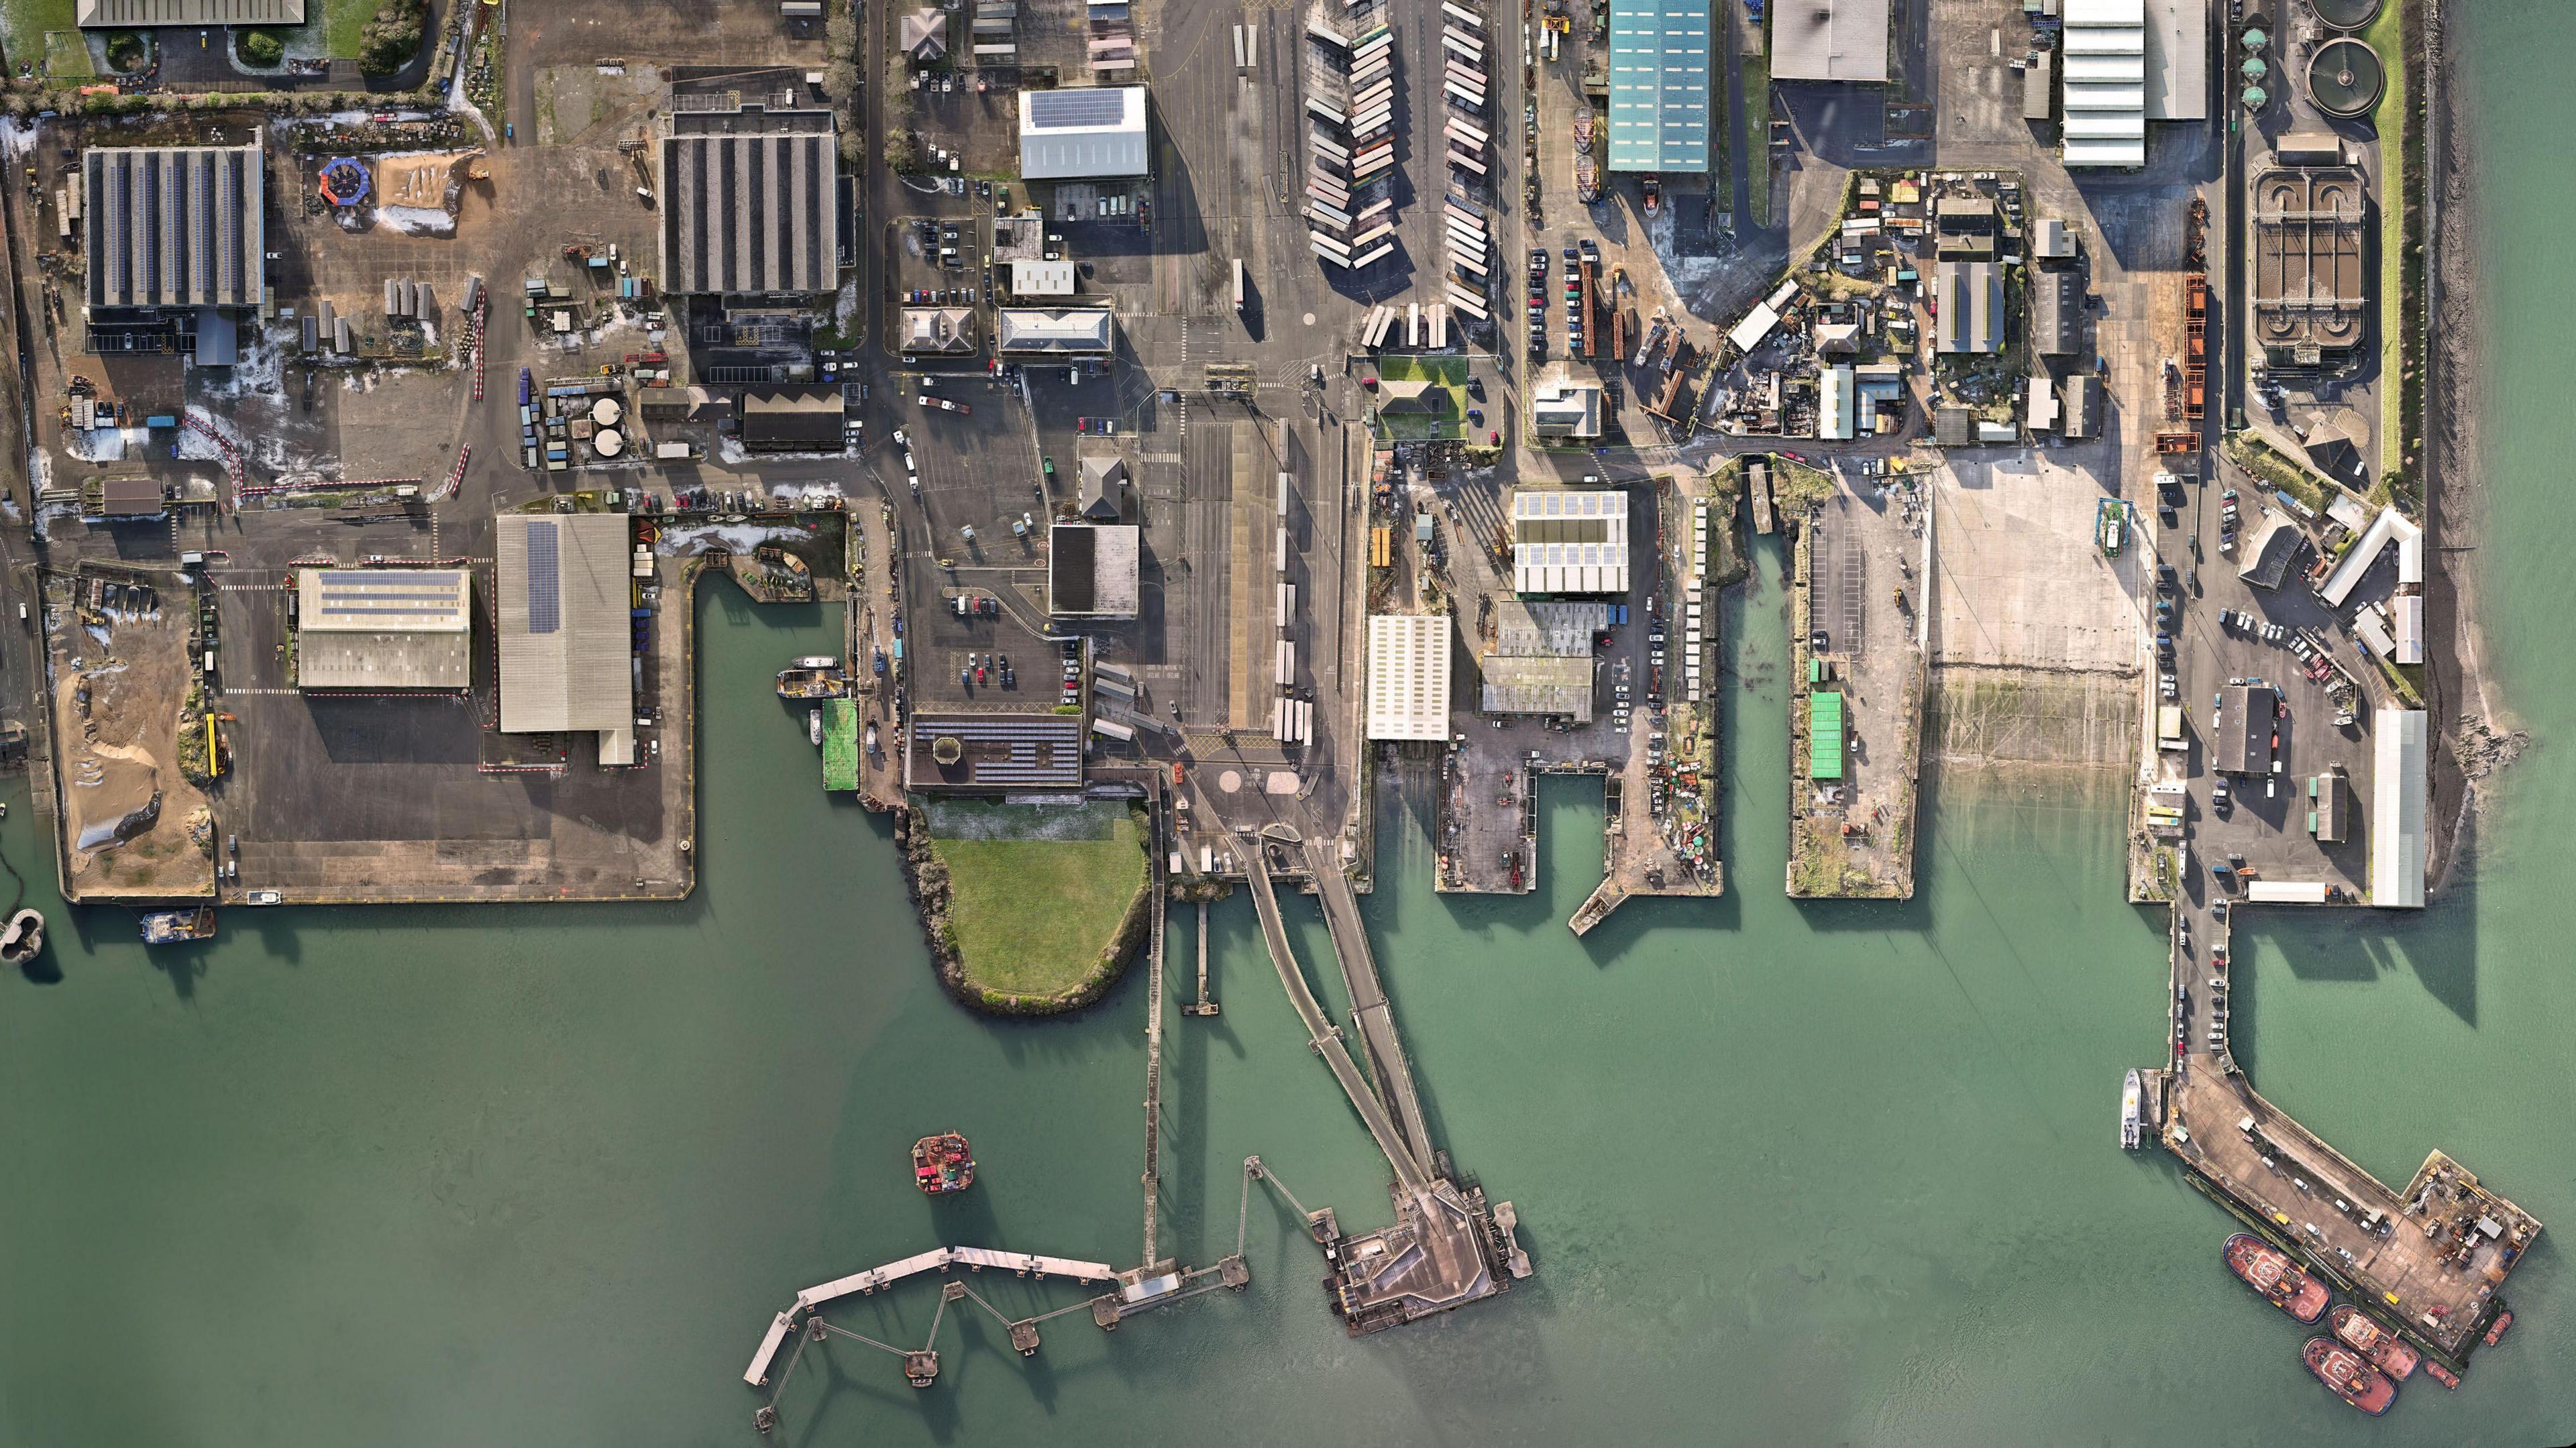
2483,740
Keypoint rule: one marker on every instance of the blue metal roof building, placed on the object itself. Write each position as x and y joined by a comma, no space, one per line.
1659,58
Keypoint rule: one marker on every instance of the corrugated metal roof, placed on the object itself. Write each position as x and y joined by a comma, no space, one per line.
2397,786
564,622
1087,132
750,212
1829,40
174,226
1659,86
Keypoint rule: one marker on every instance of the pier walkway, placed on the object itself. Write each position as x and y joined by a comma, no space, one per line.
1394,1076
1411,1172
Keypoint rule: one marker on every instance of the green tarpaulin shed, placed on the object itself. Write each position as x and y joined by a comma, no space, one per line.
1824,736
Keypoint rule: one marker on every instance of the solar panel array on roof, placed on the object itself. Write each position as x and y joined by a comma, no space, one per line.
1054,110
997,751
545,579
1086,133
364,598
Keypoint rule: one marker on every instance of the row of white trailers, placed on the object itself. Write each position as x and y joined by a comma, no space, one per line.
1350,148
1462,82
1292,720
1694,623
1423,326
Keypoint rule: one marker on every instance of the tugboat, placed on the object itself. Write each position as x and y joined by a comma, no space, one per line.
816,676
942,1164
2387,1351
2354,1381
171,927
22,937
2443,1375
2271,1273
2495,1334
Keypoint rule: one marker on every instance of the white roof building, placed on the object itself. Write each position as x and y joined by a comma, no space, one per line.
1073,331
1041,278
2398,783
2389,526
1829,40
1563,407
1569,542
565,640
1834,404
1408,676
2103,87
2177,60
384,628
1084,133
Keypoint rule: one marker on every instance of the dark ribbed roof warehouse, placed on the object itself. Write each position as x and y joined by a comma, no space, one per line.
748,193
173,226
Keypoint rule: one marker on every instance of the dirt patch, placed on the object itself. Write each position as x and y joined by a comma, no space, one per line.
124,693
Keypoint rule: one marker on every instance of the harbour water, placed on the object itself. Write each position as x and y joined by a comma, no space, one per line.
1790,1174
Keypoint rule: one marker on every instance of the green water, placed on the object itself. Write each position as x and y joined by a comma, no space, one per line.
1790,1175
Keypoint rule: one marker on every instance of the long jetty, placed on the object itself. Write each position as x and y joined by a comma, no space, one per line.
1387,1065
1411,1172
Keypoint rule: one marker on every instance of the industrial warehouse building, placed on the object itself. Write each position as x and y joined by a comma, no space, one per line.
2128,62
749,197
1071,332
1569,542
1659,65
2247,716
1086,133
175,238
1563,407
1830,40
567,660
1093,569
2398,782
140,14
993,752
1971,297
384,628
791,421
1408,676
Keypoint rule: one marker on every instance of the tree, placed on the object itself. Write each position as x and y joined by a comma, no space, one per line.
392,38
840,82
840,35
261,48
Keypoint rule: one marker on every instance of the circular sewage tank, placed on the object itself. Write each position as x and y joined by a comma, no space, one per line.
2345,79
605,412
607,443
2347,14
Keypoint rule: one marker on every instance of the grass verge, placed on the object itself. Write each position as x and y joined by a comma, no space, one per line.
1032,916
1757,138
23,24
2387,36
67,56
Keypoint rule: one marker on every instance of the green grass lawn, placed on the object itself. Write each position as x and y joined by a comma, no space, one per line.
67,56
1032,915
2387,36
23,24
1756,139
341,21
1449,378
